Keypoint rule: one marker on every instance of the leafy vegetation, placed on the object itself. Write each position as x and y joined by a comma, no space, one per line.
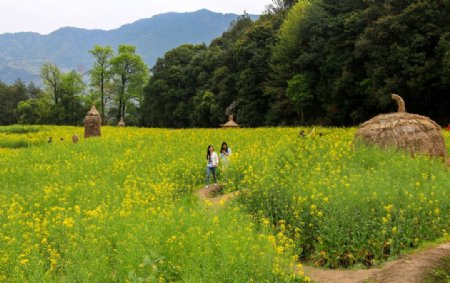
13,143
18,136
10,96
116,81
301,62
121,206
343,204
19,129
318,62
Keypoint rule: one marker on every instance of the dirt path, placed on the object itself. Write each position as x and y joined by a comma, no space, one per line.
212,194
407,269
341,276
413,268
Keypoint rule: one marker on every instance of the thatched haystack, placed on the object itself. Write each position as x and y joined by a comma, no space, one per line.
92,123
230,124
411,132
121,122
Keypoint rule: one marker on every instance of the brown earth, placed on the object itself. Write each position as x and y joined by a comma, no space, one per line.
341,276
213,194
413,268
410,268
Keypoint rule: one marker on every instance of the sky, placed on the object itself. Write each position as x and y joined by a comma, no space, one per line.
45,16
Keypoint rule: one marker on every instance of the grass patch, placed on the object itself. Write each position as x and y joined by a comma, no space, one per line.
22,143
440,274
19,129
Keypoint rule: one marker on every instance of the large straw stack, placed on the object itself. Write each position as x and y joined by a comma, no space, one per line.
92,123
402,130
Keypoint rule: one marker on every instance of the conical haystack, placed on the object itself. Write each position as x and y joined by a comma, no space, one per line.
121,122
230,124
92,123
401,130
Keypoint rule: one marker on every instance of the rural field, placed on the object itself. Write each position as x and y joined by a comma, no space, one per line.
123,207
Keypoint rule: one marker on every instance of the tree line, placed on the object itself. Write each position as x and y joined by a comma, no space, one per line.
310,62
115,85
302,62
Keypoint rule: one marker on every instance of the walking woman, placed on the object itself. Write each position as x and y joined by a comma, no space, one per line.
225,152
212,162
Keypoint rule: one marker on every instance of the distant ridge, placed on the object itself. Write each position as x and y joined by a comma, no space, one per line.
22,54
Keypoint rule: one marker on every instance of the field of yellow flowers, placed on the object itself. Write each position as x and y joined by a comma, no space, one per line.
121,208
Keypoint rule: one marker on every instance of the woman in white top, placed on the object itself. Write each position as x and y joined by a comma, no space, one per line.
225,151
212,161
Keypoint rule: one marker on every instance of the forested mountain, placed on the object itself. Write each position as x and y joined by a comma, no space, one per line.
310,62
23,54
303,62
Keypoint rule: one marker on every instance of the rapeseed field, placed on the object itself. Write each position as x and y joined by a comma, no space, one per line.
121,207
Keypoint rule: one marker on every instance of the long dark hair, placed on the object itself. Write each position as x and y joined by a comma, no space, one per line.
221,148
207,152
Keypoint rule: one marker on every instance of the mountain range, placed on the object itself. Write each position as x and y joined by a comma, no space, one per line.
22,54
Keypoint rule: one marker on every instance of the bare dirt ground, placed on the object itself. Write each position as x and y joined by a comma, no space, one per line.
212,194
410,268
413,267
341,276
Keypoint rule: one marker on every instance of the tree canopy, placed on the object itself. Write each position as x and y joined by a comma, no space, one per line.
337,62
302,62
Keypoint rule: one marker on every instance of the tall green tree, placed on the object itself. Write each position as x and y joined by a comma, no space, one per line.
33,91
206,109
279,6
36,111
62,103
10,97
101,76
405,49
51,77
130,75
176,78
343,57
299,93
252,67
72,87
289,57
192,80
